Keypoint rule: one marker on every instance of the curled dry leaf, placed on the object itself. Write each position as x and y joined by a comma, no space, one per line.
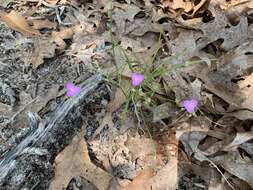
19,23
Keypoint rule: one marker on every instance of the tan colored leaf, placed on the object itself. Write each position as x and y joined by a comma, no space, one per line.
45,48
74,161
20,24
58,37
178,4
40,24
166,178
139,183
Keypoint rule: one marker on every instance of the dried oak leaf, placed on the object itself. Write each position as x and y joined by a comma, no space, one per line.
74,161
45,48
19,23
123,14
220,28
189,43
166,176
234,63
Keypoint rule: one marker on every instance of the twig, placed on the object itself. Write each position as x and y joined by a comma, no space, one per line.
58,16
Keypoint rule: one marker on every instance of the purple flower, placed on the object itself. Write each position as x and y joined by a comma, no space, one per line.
137,79
190,105
72,90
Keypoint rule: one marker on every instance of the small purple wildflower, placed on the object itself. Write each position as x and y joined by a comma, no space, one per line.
190,105
72,90
137,79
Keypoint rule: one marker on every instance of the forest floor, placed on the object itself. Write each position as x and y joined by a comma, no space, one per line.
126,95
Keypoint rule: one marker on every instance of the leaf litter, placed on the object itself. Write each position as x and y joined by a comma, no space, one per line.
209,43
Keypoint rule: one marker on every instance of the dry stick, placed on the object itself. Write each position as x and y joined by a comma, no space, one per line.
8,163
58,16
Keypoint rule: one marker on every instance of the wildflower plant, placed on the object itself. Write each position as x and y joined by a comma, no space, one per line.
145,78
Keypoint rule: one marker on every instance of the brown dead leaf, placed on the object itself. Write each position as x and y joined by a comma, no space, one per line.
41,24
20,24
221,28
43,49
166,178
235,8
187,6
74,161
140,182
59,37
